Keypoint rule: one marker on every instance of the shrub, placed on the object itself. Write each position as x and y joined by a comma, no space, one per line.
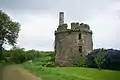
81,61
14,56
49,64
19,55
99,58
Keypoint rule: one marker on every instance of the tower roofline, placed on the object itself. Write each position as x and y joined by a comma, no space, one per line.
75,27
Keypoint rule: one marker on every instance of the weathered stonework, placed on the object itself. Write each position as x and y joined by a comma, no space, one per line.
71,43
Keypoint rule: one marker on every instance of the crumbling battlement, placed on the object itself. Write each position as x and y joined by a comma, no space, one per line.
71,43
75,27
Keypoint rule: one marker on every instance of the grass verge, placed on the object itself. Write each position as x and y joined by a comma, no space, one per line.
71,73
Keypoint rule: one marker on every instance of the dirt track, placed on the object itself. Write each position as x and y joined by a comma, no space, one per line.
16,72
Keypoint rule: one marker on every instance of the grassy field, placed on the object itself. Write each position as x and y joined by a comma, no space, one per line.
72,73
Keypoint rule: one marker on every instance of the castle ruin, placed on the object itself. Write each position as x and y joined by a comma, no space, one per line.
71,43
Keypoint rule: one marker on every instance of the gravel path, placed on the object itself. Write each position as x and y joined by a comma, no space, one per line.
16,72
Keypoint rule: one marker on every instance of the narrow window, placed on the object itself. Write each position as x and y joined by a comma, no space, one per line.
80,49
79,36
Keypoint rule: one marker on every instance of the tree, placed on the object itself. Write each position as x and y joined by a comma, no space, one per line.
8,31
99,57
81,61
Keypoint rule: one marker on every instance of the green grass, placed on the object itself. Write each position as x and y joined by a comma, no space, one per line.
2,64
72,73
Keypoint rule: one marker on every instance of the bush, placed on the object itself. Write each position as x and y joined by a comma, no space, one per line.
19,55
81,61
96,56
99,58
14,56
111,59
50,64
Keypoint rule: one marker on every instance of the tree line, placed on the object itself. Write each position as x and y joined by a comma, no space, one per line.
9,30
104,58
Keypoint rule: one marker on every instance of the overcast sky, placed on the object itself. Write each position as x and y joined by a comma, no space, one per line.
39,20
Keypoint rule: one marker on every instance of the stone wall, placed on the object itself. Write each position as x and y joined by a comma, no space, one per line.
67,43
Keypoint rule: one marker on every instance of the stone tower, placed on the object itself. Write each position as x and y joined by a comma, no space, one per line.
71,43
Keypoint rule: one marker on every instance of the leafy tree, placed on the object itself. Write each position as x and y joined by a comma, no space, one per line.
81,61
112,59
8,30
99,57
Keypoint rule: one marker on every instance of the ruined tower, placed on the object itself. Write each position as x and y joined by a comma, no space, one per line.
71,43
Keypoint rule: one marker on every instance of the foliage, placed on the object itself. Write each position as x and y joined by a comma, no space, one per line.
91,57
110,61
8,29
50,64
46,59
71,73
14,56
2,64
31,54
19,55
81,61
99,57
